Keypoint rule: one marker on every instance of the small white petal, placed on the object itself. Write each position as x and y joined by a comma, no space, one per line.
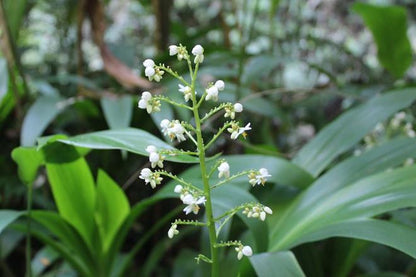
142,104
268,210
188,199
164,123
173,50
151,149
154,157
149,72
197,50
240,255
178,189
238,107
219,84
262,216
148,63
247,251
146,95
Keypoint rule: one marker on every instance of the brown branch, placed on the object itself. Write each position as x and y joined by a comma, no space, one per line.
113,66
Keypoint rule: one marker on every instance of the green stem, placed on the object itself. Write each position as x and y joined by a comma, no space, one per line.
226,125
207,191
231,178
28,235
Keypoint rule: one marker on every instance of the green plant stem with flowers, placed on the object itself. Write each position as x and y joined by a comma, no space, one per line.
191,195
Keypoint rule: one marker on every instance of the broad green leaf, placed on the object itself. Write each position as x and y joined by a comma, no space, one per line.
398,236
28,161
40,114
388,24
111,210
368,197
349,128
7,217
117,111
129,139
72,187
4,78
76,261
65,232
388,155
282,264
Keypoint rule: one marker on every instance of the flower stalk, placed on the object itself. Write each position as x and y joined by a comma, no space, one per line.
193,197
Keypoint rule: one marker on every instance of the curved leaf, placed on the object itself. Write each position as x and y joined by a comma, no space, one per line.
368,197
398,236
282,264
349,128
73,187
65,232
117,111
111,210
388,24
40,114
7,217
129,139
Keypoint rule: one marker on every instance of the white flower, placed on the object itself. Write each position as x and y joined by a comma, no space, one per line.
243,251
151,148
165,126
177,130
187,92
224,170
147,102
173,129
260,178
155,158
178,189
145,174
238,107
172,231
192,203
148,63
149,72
150,177
173,50
231,110
235,130
219,85
198,51
212,93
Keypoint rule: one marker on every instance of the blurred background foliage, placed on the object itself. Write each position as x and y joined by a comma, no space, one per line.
74,66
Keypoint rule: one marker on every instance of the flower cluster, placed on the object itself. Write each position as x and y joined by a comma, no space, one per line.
213,90
149,177
155,158
173,129
258,177
230,110
257,211
148,103
192,196
152,71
